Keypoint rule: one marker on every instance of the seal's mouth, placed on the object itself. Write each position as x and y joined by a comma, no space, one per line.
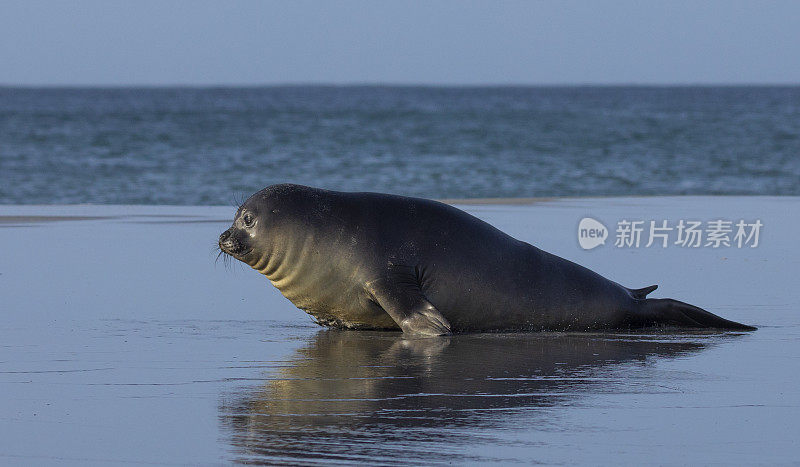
235,249
237,252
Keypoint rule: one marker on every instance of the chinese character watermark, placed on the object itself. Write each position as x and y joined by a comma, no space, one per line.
685,233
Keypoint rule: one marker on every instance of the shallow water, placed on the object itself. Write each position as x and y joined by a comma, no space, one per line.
123,342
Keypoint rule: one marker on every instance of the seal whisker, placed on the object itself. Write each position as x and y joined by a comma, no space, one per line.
237,200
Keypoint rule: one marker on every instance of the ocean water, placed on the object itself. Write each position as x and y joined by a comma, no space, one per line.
189,146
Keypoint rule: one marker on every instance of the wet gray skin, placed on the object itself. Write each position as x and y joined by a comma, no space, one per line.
378,261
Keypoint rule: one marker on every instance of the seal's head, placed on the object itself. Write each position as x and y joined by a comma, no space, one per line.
246,239
264,228
274,226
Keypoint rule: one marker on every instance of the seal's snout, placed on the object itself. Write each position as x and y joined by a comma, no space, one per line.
227,243
233,242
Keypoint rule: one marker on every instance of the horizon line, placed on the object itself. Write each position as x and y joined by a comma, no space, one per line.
378,84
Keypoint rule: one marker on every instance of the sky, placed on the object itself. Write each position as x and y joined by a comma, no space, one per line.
198,42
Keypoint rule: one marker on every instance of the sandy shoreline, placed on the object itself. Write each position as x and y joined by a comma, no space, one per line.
11,213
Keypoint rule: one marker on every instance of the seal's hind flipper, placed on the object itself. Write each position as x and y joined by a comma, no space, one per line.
642,293
672,312
401,296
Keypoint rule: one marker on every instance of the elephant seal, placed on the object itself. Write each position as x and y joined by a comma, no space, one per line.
379,261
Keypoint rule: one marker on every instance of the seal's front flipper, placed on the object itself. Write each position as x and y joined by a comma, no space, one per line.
425,321
399,293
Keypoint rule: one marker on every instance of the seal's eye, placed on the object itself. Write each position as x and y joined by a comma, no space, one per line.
248,219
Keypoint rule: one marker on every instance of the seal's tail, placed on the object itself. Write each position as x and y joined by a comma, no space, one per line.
672,312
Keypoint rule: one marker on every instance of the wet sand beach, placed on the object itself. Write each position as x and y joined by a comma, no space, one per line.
125,341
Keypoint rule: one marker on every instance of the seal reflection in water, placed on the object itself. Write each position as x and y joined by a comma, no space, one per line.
348,396
377,261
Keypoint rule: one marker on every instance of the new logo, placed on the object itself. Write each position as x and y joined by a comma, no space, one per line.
591,233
